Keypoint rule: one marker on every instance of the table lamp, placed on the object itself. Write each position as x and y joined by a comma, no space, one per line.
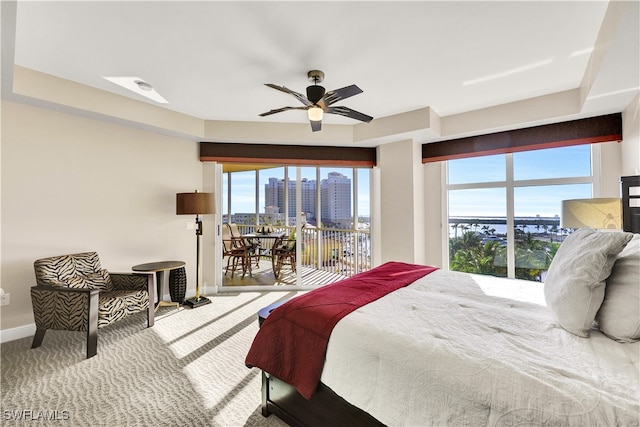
602,213
196,204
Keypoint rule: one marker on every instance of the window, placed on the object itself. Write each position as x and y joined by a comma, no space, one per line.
241,208
271,197
504,210
476,217
477,169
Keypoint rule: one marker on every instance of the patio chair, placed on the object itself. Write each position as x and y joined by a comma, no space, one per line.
284,253
252,245
234,250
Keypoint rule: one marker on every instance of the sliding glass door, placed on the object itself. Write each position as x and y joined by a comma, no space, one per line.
315,224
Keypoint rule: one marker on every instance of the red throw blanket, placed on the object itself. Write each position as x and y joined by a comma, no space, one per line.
292,342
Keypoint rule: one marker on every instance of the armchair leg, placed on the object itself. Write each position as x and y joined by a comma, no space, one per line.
92,343
92,329
39,336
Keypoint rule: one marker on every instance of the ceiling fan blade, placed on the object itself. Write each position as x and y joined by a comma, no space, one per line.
316,125
348,112
280,110
336,95
300,97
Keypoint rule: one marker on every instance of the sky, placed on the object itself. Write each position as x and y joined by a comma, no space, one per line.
530,200
244,187
563,162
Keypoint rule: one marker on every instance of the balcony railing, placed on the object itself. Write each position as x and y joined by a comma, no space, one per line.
343,251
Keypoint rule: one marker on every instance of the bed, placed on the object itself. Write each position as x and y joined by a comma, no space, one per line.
452,348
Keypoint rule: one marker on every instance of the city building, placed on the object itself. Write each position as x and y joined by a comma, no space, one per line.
275,196
335,198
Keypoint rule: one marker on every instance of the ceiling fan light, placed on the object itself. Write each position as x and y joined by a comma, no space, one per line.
315,114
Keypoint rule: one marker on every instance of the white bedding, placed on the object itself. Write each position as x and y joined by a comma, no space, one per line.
460,349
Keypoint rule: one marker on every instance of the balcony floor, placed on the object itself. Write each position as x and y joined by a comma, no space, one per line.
263,276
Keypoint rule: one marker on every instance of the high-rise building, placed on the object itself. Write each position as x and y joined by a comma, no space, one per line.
271,194
274,196
335,196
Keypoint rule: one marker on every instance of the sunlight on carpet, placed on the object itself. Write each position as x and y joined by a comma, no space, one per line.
186,370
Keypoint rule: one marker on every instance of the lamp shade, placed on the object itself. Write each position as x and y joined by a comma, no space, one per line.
315,114
595,213
195,203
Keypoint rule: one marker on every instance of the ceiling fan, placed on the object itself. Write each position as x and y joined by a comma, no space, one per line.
318,101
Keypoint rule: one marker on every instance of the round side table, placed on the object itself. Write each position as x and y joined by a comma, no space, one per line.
159,268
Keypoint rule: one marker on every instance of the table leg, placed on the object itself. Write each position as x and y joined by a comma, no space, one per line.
159,285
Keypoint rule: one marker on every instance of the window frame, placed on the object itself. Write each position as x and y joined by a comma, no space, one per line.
509,184
295,172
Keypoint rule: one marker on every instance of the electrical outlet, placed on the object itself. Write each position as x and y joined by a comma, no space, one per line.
5,299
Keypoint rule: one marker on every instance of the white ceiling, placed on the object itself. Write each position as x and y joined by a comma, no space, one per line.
210,59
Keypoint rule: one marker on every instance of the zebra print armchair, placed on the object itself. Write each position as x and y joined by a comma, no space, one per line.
74,293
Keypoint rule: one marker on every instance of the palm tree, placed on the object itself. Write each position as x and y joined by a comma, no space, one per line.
468,254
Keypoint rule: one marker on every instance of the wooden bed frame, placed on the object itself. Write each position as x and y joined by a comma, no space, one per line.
325,408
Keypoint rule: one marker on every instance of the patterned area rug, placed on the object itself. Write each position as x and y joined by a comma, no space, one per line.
188,370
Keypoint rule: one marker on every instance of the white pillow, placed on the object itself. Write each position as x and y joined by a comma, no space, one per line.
619,315
574,287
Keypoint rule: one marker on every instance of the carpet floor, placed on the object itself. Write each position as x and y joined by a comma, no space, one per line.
188,370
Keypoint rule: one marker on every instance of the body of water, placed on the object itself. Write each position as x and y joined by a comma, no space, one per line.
483,225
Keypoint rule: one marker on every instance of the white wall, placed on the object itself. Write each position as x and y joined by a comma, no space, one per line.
608,169
434,243
402,225
631,138
74,184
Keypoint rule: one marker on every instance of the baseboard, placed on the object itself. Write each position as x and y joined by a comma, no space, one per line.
13,334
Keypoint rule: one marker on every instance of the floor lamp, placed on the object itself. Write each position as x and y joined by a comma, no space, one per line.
196,204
